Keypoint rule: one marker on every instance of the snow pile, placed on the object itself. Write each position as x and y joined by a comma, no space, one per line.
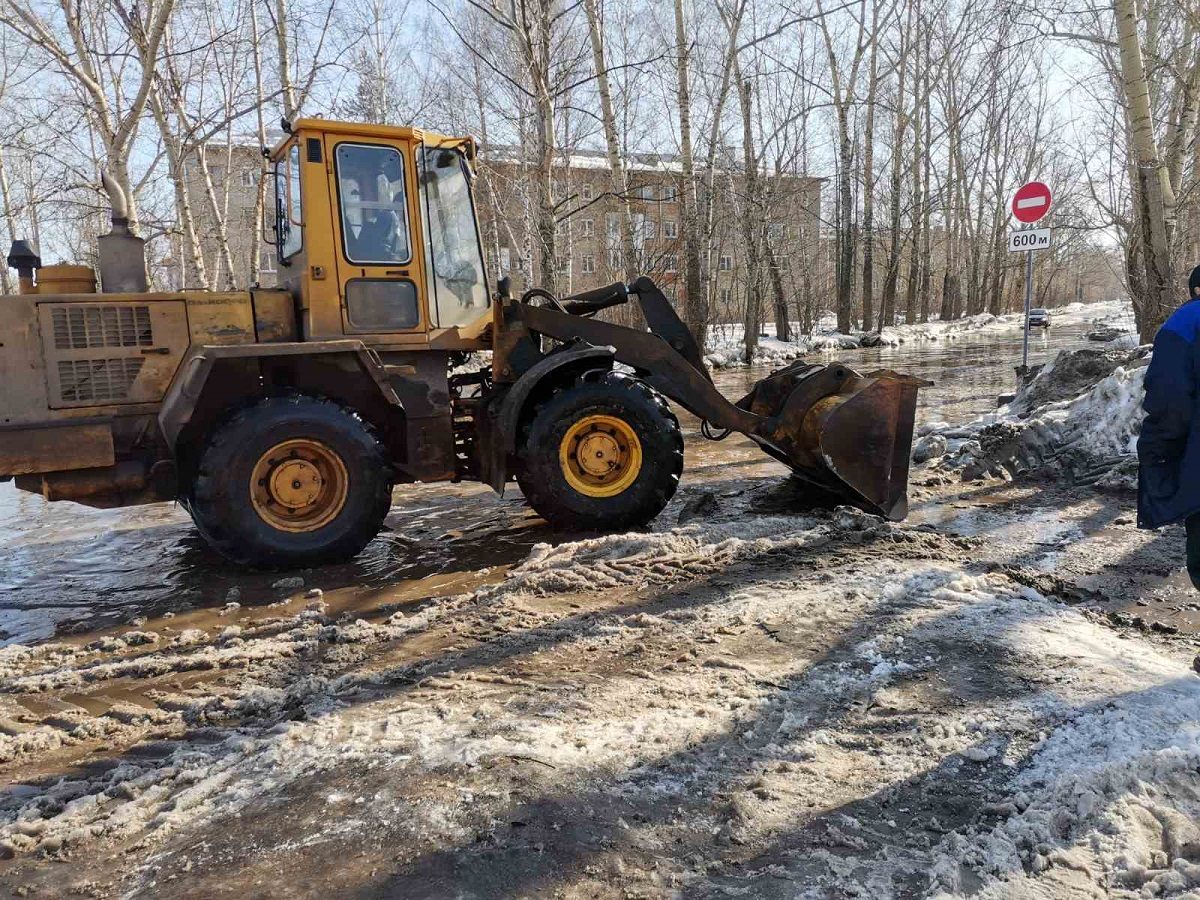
1079,418
1068,375
727,353
923,332
1109,802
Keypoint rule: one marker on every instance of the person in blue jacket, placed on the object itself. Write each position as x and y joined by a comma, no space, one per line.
1169,445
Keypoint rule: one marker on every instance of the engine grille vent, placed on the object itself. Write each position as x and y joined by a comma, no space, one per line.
97,380
80,327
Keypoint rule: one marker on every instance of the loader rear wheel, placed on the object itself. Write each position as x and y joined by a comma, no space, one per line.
601,455
289,482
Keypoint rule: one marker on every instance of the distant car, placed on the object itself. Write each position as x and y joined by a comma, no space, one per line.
1039,318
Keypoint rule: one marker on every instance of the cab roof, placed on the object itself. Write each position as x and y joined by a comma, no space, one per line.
364,129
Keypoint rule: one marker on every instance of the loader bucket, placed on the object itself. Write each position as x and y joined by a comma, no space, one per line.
848,434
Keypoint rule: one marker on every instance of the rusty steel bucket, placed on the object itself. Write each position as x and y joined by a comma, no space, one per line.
847,434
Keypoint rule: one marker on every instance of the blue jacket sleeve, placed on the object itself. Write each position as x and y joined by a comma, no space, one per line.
1169,402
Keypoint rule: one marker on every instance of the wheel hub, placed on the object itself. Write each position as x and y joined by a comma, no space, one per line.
299,485
600,455
296,483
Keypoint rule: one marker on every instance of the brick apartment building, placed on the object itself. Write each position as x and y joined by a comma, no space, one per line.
590,224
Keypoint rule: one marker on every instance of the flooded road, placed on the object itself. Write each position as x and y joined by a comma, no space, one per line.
66,568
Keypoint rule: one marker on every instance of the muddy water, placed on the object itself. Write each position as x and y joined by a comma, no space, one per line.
66,568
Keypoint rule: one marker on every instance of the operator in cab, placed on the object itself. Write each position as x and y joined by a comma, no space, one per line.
1169,445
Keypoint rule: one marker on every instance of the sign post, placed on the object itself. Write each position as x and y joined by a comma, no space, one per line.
1030,203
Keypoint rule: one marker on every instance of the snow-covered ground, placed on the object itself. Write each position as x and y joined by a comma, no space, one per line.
841,705
726,348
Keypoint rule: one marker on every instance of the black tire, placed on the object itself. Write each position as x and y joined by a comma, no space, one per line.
220,495
544,482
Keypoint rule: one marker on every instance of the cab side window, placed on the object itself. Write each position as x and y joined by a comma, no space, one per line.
289,234
372,198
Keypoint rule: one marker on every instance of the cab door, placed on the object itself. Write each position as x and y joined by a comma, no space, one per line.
378,263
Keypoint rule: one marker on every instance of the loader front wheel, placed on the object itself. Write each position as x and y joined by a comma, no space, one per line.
601,455
291,482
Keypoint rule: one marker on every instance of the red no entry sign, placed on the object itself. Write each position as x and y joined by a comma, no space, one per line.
1031,202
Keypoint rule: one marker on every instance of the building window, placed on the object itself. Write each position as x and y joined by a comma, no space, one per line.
646,192
217,173
505,259
725,263
775,232
726,294
248,178
586,191
670,194
614,259
671,263
651,229
589,265
670,230
612,226
587,228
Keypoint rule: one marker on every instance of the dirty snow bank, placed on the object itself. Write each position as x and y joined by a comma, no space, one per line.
1078,418
726,348
1109,802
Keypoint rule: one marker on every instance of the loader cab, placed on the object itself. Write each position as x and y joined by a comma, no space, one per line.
377,237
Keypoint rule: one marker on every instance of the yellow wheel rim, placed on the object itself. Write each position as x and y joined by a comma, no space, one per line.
299,485
600,456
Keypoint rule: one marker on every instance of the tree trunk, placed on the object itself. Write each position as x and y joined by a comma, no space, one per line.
695,299
752,224
926,197
845,223
287,88
887,305
1154,198
10,221
868,229
193,272
260,194
914,259
620,184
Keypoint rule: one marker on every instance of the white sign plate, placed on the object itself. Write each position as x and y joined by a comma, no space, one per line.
1029,239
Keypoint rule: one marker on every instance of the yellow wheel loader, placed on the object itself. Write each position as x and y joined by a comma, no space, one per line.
282,417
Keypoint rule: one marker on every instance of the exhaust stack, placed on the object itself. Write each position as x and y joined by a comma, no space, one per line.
122,253
24,257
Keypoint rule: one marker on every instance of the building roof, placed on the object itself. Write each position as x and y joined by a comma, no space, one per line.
642,163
